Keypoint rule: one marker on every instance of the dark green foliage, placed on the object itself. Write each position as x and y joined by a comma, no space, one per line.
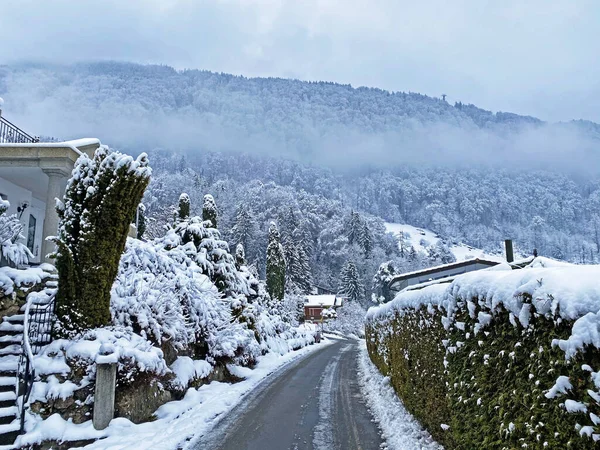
100,200
183,208
275,264
495,381
411,353
209,210
141,221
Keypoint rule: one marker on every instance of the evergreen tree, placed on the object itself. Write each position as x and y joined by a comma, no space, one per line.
350,284
100,199
209,210
412,254
141,221
366,239
354,228
381,280
240,256
276,264
183,209
244,228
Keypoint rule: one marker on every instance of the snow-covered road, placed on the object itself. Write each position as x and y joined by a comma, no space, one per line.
314,404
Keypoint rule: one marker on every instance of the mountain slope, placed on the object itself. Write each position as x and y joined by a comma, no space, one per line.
131,105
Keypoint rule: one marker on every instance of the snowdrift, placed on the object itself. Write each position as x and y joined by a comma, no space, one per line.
499,358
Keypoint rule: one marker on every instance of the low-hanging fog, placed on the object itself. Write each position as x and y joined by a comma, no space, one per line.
145,107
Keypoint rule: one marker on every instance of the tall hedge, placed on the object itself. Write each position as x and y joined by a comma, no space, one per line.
478,378
101,198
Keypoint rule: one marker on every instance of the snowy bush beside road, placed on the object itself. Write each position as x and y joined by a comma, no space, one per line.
498,358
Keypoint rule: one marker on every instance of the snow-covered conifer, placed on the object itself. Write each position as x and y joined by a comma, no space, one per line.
240,256
276,265
381,280
354,228
366,239
183,207
350,285
101,198
209,210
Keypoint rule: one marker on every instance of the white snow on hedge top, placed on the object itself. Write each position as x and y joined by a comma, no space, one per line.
557,290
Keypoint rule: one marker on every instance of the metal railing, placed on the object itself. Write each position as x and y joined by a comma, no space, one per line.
11,134
37,333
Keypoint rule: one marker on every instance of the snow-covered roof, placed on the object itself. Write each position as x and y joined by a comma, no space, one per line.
322,300
443,267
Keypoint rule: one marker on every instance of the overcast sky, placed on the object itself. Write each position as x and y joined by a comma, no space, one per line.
537,57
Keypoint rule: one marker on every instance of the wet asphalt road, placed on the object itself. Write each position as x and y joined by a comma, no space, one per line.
312,404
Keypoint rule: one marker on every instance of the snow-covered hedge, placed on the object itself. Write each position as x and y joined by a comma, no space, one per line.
499,358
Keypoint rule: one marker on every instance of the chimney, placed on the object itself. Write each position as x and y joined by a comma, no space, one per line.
509,250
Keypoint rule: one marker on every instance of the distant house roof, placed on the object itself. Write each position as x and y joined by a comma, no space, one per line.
442,268
322,300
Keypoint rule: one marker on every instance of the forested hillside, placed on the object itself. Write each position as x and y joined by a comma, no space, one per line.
329,162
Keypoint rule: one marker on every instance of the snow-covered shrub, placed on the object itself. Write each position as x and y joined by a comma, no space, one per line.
163,294
101,198
506,358
10,231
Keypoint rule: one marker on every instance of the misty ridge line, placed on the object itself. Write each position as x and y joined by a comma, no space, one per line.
136,106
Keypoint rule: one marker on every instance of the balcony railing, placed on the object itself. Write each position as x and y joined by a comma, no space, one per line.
11,134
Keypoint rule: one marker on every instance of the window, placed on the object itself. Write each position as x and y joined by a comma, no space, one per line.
31,233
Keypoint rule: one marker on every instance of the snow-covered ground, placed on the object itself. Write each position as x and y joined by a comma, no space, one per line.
177,421
418,236
399,429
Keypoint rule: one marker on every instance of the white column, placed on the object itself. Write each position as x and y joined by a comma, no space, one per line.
56,181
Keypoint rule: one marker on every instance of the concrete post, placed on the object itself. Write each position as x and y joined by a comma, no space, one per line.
56,182
104,395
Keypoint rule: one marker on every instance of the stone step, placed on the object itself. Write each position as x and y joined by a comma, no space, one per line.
9,432
7,403
16,318
13,349
8,388
6,396
9,363
8,419
11,338
8,381
8,327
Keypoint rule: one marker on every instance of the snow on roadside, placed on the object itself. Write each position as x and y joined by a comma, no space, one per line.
400,430
177,421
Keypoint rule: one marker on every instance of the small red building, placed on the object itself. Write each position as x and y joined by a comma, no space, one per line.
315,304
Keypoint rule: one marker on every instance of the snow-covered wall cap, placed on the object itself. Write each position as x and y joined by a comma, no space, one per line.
571,290
74,145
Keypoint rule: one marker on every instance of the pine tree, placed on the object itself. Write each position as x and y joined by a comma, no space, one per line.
276,264
244,228
100,199
209,210
141,220
183,210
366,239
350,284
354,228
412,254
381,280
240,256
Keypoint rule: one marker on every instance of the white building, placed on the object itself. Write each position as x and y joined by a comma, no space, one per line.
32,176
